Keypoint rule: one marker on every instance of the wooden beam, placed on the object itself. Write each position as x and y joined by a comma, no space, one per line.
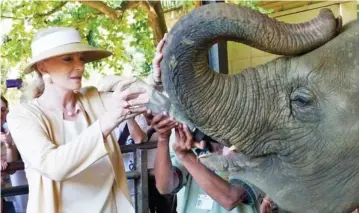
305,8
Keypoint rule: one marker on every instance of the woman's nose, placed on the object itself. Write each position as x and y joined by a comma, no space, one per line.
79,65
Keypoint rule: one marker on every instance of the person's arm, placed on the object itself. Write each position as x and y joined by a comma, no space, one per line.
11,152
137,135
166,178
57,162
227,195
60,162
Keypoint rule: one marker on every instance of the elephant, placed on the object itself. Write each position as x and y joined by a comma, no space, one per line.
292,122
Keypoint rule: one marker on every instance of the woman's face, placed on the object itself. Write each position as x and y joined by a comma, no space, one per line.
4,112
66,71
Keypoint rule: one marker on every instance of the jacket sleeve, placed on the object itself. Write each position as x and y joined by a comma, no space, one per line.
57,162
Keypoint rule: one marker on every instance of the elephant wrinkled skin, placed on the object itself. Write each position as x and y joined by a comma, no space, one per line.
293,121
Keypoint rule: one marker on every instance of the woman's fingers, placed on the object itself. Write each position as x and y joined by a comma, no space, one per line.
133,97
137,101
123,85
138,109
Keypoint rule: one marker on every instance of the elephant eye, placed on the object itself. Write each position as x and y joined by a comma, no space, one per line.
301,101
304,105
301,97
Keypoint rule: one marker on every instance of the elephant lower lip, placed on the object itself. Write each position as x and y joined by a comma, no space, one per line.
234,162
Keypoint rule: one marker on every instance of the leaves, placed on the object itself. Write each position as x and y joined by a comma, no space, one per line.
129,38
95,28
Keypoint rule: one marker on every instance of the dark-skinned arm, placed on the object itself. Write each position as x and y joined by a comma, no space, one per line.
166,180
227,195
137,135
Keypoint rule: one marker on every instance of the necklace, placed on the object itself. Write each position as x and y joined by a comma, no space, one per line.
71,113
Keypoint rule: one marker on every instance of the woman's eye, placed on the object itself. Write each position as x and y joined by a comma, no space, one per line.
67,59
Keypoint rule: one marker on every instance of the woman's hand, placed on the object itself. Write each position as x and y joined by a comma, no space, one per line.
128,101
185,142
156,75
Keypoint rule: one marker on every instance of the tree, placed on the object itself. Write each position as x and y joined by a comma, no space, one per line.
130,29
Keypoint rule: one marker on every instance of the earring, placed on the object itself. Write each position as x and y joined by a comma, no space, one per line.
47,78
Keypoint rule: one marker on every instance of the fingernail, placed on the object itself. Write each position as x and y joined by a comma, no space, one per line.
184,126
164,113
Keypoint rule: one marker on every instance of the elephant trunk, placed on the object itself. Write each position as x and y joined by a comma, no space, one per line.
215,102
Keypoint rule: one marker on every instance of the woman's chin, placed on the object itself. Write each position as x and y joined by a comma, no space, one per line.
76,86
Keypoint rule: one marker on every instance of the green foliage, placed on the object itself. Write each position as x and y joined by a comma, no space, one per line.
95,28
253,4
129,38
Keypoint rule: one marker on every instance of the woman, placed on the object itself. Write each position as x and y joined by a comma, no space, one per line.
8,154
64,135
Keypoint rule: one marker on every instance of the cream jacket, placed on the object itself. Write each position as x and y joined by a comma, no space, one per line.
38,135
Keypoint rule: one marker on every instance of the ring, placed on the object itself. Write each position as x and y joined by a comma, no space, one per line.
128,104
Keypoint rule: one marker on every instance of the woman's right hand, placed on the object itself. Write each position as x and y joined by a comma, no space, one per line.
127,102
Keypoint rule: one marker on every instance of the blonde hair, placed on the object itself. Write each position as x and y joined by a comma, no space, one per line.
33,89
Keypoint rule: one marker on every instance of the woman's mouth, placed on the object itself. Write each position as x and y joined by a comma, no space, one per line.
77,78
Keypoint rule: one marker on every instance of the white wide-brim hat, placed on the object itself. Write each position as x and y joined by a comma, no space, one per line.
56,41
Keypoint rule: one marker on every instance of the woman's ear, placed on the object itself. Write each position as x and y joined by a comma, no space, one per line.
40,67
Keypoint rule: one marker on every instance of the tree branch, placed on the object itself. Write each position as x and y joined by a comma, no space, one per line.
153,8
102,7
51,11
12,17
39,15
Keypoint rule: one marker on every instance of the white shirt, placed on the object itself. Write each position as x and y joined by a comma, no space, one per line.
75,190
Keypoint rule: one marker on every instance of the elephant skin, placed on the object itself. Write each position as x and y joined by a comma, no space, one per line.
293,122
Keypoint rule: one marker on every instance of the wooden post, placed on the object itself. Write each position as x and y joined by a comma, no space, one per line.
218,56
142,182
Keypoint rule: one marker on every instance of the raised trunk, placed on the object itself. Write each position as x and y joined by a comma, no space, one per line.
211,101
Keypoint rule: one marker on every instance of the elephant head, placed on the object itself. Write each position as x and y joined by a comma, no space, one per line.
294,122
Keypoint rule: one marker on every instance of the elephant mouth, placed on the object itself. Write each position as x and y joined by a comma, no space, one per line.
224,159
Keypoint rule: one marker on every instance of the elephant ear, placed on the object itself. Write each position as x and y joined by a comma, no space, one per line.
216,103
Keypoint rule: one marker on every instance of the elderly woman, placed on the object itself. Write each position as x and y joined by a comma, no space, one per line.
64,134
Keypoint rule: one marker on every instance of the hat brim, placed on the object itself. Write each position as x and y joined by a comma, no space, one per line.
89,53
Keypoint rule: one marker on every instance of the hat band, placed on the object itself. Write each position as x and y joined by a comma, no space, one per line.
54,40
